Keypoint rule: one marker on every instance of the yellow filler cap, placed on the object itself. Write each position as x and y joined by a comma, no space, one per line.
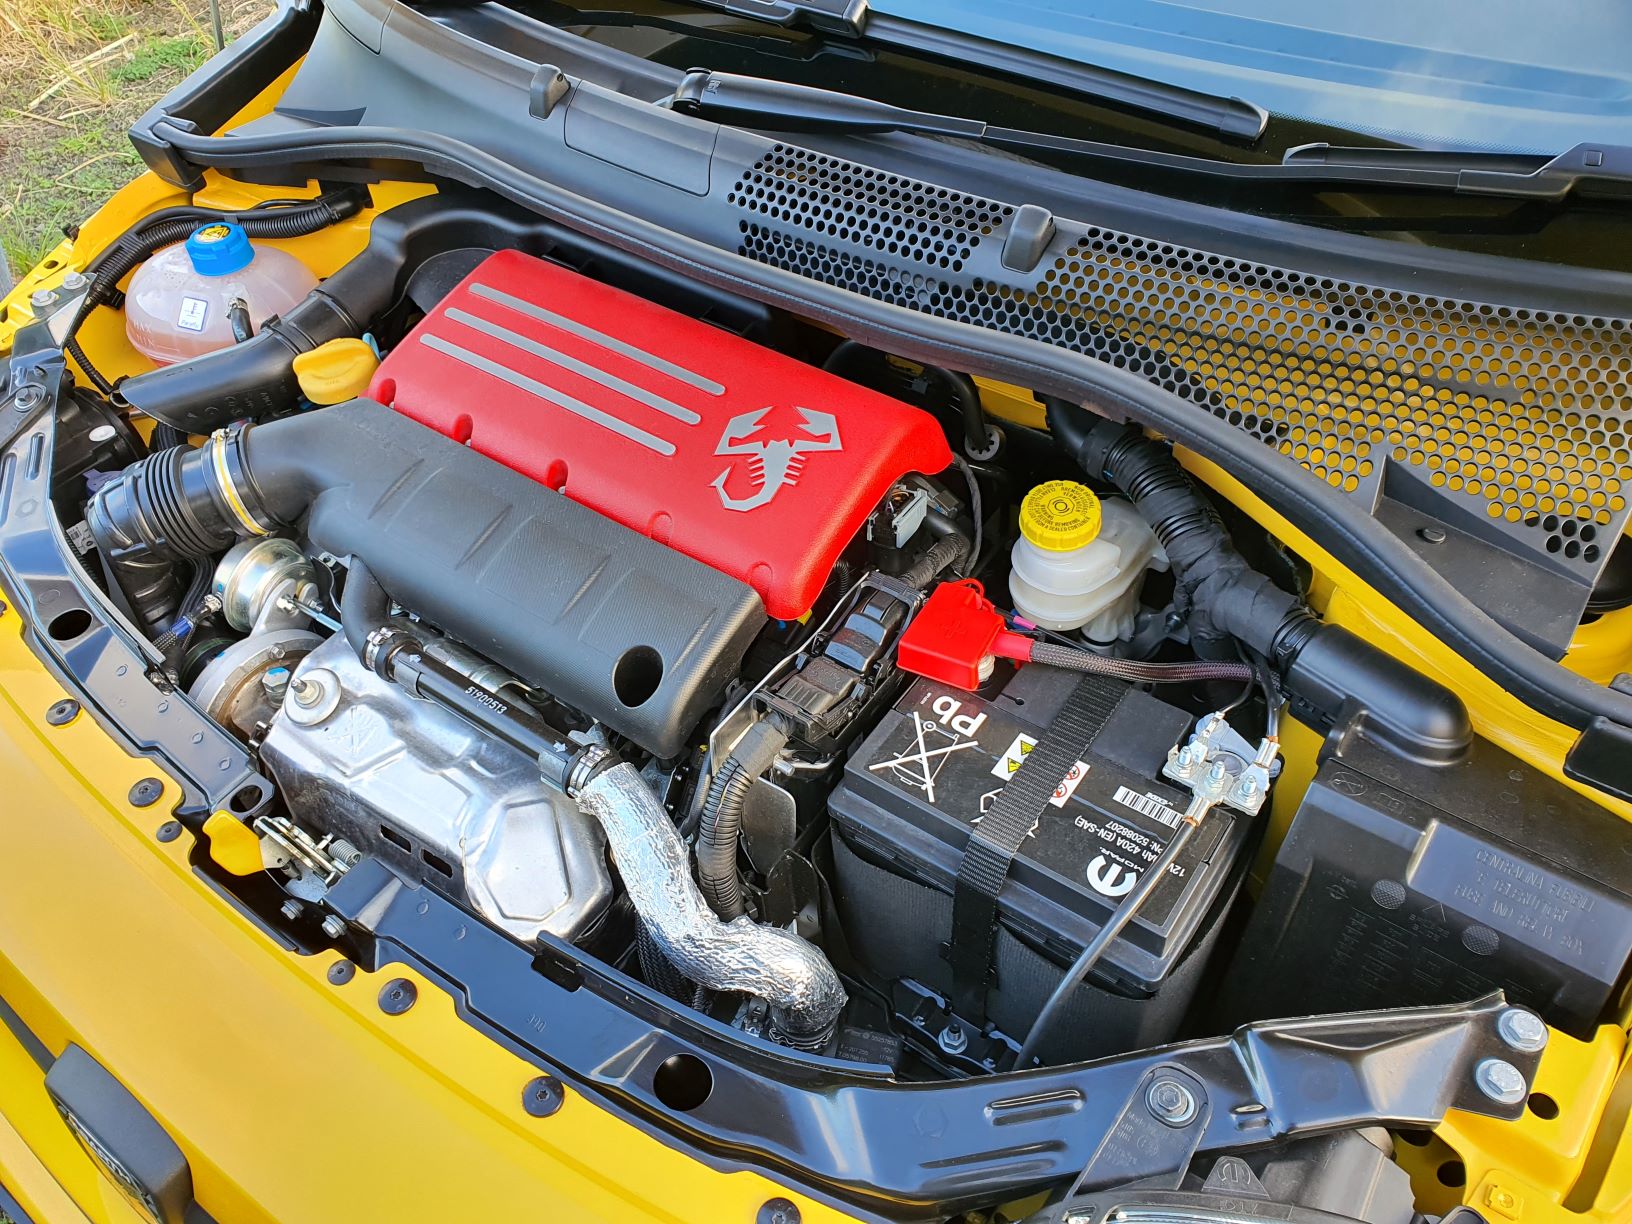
335,372
233,844
1060,516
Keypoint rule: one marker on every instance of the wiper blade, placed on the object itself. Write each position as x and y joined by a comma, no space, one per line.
760,102
1234,118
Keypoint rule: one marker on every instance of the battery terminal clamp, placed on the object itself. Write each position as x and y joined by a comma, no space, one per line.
1211,765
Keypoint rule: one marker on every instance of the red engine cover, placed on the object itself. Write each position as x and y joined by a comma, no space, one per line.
747,460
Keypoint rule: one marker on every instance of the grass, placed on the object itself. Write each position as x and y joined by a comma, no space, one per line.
76,74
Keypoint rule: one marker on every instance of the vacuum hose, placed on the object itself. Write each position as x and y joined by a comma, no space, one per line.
1327,670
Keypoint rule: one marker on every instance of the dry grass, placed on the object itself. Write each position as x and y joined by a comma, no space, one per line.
76,74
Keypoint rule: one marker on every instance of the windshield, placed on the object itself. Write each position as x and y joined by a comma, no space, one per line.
1507,75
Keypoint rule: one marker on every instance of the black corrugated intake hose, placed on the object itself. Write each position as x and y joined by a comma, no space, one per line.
1327,670
173,225
721,829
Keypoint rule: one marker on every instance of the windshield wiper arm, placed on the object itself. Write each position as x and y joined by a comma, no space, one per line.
1231,117
761,102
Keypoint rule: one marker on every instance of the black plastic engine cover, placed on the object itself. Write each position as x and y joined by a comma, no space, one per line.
612,623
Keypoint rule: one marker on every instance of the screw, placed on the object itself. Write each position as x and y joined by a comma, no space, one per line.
63,712
292,909
1523,1030
1171,1102
341,972
1501,1081
169,831
41,298
334,926
146,792
275,683
28,398
543,1096
1431,535
397,996
954,1039
778,1211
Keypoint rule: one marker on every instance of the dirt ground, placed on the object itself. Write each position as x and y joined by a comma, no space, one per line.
74,74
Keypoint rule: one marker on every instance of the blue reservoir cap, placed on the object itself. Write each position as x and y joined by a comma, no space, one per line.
219,249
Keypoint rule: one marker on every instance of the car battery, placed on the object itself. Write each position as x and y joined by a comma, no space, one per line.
1401,884
927,775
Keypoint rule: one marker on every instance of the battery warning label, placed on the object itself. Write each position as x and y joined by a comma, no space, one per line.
1007,765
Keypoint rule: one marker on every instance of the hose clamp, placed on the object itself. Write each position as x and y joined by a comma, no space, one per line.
221,467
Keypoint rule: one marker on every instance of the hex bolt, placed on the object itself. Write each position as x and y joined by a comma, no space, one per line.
1171,1102
954,1038
41,298
1501,1081
74,281
778,1211
334,926
275,683
146,792
292,909
1522,1030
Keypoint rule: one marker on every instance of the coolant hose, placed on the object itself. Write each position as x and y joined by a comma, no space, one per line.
721,829
1332,673
363,605
790,974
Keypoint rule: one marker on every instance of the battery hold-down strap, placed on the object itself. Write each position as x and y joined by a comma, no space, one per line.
995,841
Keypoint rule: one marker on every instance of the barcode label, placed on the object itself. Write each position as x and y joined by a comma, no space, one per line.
1153,806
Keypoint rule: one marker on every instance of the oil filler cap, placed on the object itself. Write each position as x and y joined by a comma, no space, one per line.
1060,516
338,371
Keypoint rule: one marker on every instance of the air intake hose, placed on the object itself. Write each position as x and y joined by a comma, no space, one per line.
1327,670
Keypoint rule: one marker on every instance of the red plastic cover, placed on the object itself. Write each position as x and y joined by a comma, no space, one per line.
745,459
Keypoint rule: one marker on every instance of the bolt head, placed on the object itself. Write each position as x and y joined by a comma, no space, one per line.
291,909
74,281
954,1038
42,298
334,926
1522,1030
1501,1081
778,1211
275,683
1172,1102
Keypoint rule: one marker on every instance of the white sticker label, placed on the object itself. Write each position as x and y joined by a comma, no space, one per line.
1007,765
193,313
1150,805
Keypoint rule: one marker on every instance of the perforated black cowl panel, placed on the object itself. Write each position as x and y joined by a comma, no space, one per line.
1520,420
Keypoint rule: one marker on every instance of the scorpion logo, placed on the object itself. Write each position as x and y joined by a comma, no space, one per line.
775,461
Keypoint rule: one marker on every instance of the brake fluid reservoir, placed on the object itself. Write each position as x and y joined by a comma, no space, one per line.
181,301
1079,561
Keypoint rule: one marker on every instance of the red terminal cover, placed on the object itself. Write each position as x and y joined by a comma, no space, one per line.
955,630
749,461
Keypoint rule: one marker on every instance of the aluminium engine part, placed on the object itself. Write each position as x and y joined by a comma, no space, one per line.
436,799
768,962
252,575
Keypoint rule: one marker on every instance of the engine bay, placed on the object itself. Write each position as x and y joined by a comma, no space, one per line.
804,688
